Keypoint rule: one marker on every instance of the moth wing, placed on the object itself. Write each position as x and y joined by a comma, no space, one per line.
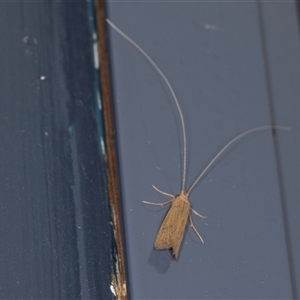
172,229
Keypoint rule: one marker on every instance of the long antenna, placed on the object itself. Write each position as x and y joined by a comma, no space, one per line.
229,144
170,88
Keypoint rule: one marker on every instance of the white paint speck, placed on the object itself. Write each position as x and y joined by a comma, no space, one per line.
26,39
112,289
99,100
96,58
212,27
42,77
102,146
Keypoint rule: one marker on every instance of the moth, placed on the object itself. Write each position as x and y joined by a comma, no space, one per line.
172,229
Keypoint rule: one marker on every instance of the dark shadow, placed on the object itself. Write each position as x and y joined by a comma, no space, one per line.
160,260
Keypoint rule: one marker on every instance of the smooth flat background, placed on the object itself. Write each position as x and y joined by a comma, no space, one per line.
233,66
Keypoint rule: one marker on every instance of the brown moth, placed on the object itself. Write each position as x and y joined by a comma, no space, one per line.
172,229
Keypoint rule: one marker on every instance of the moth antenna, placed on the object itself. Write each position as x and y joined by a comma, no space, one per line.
229,144
126,37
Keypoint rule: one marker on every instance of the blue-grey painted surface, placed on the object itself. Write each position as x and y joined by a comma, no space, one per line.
233,66
55,234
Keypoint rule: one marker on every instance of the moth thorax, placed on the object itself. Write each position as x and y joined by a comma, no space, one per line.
183,196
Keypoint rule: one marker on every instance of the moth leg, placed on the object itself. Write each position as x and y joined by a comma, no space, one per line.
197,214
194,228
163,193
158,204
